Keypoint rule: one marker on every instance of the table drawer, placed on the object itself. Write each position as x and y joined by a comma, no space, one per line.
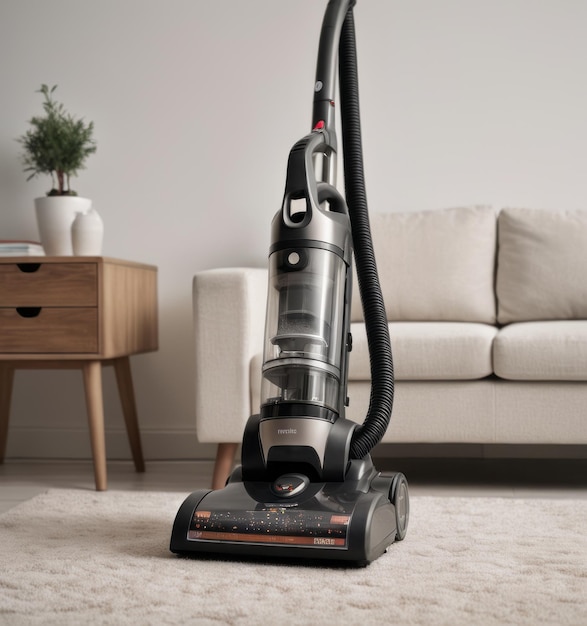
49,330
48,284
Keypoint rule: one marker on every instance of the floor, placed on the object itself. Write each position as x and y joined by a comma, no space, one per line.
21,480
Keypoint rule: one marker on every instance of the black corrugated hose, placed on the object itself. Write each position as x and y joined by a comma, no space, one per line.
376,422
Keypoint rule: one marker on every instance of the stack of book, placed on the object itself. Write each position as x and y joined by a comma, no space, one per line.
20,247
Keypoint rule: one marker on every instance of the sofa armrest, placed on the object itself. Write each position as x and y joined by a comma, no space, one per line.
229,320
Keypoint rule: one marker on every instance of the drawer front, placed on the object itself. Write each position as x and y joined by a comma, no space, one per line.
49,330
48,284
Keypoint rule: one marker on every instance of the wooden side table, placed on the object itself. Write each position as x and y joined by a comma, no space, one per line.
78,312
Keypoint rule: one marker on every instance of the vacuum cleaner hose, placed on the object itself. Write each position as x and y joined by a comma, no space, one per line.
376,422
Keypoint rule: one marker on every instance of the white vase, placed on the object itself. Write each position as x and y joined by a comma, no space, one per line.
55,215
87,233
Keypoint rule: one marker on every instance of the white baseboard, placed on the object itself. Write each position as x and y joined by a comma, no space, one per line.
55,443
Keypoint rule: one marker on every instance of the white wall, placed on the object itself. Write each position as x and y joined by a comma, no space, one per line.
196,105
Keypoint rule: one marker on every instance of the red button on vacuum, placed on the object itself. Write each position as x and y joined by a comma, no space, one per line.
290,485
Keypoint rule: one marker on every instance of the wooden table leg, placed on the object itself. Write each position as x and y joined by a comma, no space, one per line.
129,409
224,464
93,387
6,380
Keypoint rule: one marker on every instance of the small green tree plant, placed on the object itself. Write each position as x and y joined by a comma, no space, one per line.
57,144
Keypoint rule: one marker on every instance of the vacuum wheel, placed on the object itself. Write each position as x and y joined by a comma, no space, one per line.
400,498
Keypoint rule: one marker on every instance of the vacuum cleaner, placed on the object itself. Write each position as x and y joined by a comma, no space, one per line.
306,487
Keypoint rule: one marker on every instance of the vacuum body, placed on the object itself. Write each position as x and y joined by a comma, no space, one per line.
302,490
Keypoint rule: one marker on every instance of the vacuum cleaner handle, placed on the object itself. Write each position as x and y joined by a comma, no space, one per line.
327,65
301,180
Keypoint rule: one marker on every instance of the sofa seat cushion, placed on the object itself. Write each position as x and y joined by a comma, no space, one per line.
429,351
555,350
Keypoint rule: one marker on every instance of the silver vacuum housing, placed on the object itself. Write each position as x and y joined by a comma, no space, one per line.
303,389
304,354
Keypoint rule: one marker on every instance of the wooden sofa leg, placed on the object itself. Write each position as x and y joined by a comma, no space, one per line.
224,463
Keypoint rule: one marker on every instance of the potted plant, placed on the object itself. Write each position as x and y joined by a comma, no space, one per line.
57,144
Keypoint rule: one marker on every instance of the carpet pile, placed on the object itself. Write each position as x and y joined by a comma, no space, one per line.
80,557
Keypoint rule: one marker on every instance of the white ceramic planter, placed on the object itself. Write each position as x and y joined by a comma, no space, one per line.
87,233
55,215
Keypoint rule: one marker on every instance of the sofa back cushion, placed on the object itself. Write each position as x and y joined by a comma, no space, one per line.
541,265
435,265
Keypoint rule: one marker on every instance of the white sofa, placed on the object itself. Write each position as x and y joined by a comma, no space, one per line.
488,320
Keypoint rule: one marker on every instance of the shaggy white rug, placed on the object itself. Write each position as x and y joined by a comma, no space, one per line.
79,557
